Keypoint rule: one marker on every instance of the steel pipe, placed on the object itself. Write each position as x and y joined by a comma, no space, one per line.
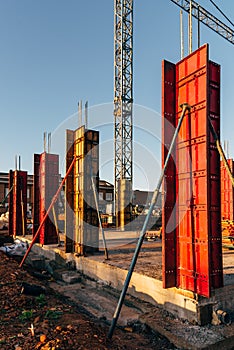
185,107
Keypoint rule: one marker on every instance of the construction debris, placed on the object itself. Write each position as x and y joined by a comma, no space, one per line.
19,248
4,220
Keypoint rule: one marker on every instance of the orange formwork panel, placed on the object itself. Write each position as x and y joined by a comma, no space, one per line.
197,213
82,233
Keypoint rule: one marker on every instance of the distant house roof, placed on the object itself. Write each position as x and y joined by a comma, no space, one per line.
4,178
104,183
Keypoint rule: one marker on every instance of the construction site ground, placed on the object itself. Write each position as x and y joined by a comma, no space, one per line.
77,315
56,319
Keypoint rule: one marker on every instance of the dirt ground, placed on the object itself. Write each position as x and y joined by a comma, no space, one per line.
65,316
51,321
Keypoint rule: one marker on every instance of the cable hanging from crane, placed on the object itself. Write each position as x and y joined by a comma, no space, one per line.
207,18
222,12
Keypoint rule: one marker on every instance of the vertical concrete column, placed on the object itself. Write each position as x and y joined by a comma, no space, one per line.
124,204
82,233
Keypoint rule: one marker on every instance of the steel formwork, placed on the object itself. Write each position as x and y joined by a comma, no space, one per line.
227,191
10,202
36,194
192,247
82,233
46,183
69,194
168,212
18,203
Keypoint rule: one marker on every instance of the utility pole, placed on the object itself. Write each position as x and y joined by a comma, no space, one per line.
123,100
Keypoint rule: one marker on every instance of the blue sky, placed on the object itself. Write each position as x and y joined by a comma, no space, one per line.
56,52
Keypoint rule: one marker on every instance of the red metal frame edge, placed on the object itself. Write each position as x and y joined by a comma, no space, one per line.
168,186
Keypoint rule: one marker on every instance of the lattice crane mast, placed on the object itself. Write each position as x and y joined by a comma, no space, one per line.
123,99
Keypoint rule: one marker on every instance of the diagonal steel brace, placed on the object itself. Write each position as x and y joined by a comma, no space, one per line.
185,107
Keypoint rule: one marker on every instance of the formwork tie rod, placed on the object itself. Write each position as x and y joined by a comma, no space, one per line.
48,211
185,107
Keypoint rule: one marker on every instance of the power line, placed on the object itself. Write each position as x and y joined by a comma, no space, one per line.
207,18
222,12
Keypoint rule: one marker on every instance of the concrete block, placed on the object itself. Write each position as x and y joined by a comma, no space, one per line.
36,261
66,276
204,314
58,273
71,277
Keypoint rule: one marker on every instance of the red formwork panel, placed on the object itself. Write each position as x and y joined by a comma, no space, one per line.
18,203
198,246
46,183
49,183
36,194
10,202
169,183
69,194
214,190
227,192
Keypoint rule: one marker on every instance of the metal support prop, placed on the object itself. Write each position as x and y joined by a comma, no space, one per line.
56,226
6,196
48,211
221,152
185,106
99,219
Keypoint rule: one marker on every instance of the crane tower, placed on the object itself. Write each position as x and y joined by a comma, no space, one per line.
123,99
